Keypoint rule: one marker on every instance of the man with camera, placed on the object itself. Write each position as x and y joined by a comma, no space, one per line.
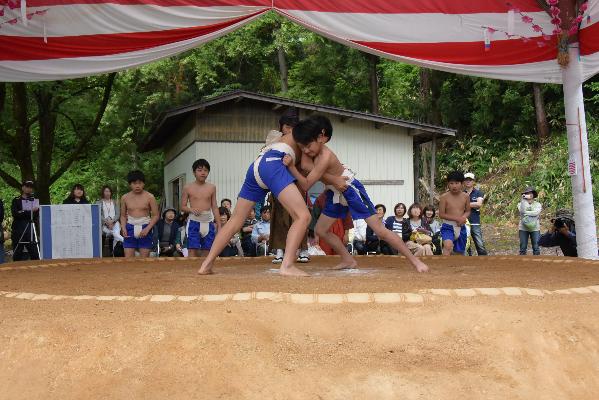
562,234
25,212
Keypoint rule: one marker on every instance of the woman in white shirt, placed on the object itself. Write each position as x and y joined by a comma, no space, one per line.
109,210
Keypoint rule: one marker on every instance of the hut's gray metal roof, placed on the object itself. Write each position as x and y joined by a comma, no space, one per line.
172,118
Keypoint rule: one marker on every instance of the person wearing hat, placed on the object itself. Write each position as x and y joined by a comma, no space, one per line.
476,201
280,218
530,226
167,230
25,212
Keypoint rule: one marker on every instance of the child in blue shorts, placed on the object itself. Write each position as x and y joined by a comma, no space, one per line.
268,173
454,210
312,134
199,200
139,214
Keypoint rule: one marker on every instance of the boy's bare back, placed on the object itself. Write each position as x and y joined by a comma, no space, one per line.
453,206
201,197
138,205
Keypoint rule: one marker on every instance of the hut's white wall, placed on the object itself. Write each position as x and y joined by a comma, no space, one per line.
383,155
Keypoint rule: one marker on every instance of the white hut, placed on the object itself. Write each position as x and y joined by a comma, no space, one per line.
229,130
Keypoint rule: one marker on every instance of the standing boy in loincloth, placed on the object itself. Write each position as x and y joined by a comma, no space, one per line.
312,134
139,214
268,173
280,218
454,210
199,200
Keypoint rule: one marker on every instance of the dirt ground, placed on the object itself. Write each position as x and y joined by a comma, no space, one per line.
447,347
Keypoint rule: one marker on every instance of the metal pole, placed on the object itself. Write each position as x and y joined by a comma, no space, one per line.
433,168
578,149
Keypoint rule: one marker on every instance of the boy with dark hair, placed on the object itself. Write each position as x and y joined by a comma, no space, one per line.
454,210
312,134
261,232
268,172
199,200
139,214
25,214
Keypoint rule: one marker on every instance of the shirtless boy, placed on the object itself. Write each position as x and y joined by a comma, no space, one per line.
139,214
269,173
312,134
454,210
199,200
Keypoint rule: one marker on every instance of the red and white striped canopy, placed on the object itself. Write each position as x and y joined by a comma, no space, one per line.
60,39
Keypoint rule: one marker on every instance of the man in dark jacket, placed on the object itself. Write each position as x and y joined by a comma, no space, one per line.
560,235
167,230
25,213
1,232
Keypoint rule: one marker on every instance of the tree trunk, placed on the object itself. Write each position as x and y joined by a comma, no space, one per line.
373,62
21,146
542,125
283,70
47,124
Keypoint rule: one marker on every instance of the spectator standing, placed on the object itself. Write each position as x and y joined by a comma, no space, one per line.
168,235
1,232
109,213
261,232
373,243
530,226
477,198
77,195
25,213
419,245
249,250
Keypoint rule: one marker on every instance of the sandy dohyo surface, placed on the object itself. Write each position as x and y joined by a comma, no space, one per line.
532,340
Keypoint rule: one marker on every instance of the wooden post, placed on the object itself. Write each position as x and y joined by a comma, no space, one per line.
433,168
416,169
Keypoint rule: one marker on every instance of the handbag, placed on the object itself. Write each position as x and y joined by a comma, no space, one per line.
421,238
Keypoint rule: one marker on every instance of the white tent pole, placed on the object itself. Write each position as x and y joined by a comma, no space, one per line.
578,147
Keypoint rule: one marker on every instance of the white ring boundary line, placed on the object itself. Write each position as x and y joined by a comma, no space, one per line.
93,262
423,296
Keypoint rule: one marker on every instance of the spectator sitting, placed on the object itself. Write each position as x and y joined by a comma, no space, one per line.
428,215
234,246
169,237
77,195
117,243
249,249
109,213
360,236
562,233
227,203
398,223
373,243
182,219
261,232
420,237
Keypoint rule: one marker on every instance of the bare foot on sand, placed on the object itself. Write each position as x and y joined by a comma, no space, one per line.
292,271
346,265
205,269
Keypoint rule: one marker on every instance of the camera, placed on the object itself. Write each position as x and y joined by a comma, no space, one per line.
559,223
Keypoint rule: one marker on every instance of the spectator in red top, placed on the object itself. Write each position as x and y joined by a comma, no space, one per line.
339,228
